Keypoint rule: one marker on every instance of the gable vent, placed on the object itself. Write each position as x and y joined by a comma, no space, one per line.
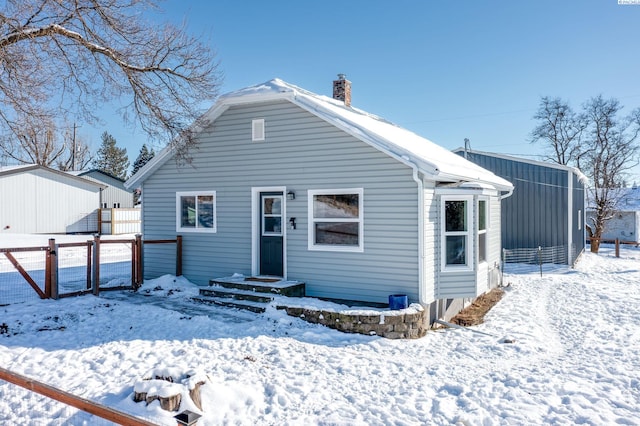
257,129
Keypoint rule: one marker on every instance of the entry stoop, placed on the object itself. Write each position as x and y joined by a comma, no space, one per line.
249,293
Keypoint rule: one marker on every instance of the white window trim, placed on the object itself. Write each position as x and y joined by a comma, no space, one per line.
487,223
311,220
470,252
179,227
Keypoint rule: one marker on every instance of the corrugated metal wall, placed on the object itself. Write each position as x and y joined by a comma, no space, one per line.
579,209
537,214
38,201
114,195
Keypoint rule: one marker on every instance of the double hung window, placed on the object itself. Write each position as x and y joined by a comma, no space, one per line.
456,233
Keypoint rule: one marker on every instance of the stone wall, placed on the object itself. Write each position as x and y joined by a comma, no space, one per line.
410,323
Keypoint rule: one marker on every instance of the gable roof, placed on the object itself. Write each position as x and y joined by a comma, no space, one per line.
94,171
9,170
405,146
574,170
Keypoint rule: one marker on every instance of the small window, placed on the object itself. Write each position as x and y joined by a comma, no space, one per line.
272,215
336,220
482,230
456,250
196,211
257,130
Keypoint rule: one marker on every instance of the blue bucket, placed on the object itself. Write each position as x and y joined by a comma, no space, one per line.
398,301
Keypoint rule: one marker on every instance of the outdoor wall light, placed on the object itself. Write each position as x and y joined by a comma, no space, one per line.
292,223
291,195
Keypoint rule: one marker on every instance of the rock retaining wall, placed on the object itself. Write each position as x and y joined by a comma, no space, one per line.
408,323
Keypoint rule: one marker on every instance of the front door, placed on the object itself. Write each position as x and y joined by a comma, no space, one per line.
271,232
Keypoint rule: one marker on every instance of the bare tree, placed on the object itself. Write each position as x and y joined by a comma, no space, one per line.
67,58
610,151
596,141
41,142
560,129
34,143
78,154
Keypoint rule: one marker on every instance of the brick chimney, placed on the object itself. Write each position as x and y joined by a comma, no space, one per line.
342,90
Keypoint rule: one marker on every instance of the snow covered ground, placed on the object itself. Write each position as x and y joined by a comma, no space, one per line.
575,360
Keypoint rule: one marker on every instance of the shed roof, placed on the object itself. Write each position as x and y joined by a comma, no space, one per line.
9,170
92,171
574,170
407,147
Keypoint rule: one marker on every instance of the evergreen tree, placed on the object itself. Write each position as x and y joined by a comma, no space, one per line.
143,158
111,159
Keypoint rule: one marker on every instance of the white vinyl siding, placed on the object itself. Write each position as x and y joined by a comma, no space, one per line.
455,282
303,153
39,201
483,223
336,219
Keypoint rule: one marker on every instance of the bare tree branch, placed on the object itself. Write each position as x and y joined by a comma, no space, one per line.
68,58
560,129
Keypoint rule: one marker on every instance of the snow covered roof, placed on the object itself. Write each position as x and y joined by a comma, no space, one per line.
407,147
15,168
575,170
93,171
8,170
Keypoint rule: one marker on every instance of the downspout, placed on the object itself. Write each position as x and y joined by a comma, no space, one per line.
570,216
418,181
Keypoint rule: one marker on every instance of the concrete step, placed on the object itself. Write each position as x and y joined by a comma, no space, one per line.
236,294
246,305
270,285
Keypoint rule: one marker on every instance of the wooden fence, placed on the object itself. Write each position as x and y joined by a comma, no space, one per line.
617,243
119,221
52,288
72,400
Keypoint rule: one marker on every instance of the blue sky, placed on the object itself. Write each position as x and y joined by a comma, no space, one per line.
447,70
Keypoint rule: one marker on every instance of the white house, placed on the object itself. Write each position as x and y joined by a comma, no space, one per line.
625,223
115,195
292,184
37,199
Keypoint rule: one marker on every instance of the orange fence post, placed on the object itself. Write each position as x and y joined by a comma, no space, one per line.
53,270
139,277
133,264
47,274
96,265
617,247
89,246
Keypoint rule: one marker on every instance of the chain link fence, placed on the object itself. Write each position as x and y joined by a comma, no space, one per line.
527,260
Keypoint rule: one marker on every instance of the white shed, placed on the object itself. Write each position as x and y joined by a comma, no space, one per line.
37,199
115,195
